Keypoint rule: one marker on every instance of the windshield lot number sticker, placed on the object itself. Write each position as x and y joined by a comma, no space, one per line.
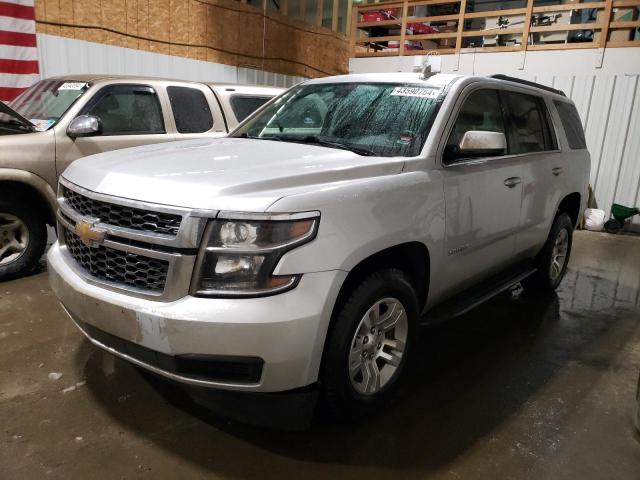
415,92
72,86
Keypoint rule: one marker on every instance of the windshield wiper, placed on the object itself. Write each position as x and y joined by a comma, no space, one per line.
5,109
312,139
252,137
16,125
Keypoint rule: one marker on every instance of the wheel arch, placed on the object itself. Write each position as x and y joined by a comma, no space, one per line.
570,205
30,186
412,258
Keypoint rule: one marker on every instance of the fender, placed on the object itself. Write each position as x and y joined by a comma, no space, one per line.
34,181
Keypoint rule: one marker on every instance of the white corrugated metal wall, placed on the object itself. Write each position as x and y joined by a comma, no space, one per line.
606,93
62,56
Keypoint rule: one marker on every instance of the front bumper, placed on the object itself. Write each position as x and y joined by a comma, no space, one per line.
286,331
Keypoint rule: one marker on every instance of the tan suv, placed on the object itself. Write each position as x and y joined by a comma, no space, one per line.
61,119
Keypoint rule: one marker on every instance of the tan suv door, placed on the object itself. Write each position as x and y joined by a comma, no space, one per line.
130,114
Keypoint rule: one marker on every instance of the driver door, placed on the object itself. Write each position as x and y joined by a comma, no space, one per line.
130,115
482,199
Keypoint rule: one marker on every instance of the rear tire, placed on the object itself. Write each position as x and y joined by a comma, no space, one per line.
367,348
553,259
23,236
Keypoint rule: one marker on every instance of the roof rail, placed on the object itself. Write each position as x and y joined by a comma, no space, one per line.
526,82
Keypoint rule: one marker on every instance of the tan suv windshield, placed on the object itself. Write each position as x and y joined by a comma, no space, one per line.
44,103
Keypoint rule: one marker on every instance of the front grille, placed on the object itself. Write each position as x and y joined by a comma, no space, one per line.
121,216
127,269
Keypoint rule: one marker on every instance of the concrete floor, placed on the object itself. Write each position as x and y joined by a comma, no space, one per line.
529,388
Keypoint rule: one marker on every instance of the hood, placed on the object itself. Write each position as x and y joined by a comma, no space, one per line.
222,174
6,109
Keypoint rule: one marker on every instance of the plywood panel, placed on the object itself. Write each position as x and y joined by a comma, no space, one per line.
222,31
132,24
52,15
179,27
66,17
159,26
142,7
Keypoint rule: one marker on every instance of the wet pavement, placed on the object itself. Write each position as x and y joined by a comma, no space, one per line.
528,387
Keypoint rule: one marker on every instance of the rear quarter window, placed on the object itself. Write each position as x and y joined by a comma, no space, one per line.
571,124
245,105
190,109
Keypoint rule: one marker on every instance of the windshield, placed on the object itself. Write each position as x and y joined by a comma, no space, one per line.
381,119
45,102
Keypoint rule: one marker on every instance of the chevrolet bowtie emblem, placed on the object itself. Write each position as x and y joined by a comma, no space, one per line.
89,234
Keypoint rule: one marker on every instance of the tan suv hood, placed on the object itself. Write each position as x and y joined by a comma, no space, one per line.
222,174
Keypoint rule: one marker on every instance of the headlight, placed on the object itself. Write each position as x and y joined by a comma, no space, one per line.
240,252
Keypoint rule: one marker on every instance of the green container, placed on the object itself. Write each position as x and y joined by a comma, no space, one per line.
621,212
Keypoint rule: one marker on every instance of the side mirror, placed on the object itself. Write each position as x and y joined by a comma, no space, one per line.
476,143
84,126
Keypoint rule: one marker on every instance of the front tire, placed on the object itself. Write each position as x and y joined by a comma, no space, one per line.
553,259
367,348
23,236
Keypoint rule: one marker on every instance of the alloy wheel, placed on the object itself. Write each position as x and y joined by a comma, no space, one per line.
378,346
14,238
559,254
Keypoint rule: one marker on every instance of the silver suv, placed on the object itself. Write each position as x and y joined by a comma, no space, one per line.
307,248
61,119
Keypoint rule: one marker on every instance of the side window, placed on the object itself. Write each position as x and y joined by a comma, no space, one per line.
481,111
190,110
245,105
528,130
571,124
551,142
128,110
305,117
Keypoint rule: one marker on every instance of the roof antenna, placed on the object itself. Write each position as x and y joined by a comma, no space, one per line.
430,65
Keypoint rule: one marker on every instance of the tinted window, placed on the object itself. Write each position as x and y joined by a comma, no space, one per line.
550,141
571,124
128,110
243,105
527,129
190,110
481,111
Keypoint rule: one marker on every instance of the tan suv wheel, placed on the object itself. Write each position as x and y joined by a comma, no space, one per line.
23,236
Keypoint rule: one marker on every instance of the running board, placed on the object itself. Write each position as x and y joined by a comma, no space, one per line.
474,296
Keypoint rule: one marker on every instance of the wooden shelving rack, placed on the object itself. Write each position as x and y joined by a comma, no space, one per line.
392,28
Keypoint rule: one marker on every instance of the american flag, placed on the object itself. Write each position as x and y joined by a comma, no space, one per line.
18,52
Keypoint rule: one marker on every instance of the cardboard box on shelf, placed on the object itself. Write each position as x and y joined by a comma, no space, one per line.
623,15
428,45
394,46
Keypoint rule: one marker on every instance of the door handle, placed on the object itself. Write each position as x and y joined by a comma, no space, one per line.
512,181
556,171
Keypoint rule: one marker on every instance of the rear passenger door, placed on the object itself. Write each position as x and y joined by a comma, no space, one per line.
532,137
482,198
195,112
